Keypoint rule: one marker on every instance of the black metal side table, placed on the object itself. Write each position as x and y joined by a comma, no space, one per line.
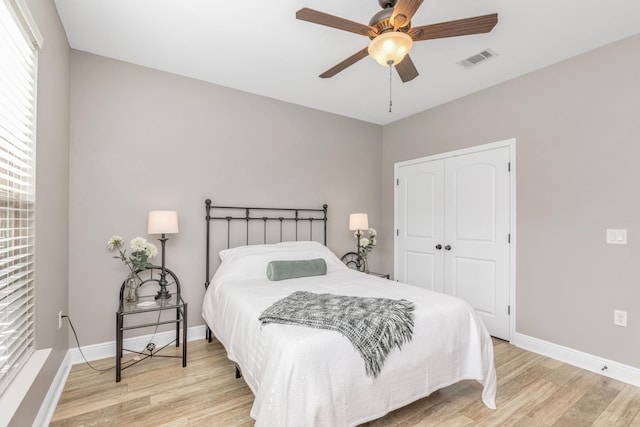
148,303
352,260
383,275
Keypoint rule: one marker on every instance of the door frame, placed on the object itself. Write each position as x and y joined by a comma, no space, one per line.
511,143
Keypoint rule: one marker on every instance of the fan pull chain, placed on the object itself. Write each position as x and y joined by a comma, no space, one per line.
390,67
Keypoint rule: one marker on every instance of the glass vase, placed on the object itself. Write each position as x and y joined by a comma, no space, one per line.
131,289
364,265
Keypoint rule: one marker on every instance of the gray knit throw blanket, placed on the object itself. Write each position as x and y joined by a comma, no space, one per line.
373,325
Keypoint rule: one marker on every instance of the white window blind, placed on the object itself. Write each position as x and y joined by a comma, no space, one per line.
18,67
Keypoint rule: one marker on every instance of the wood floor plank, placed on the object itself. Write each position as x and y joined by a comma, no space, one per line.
552,409
564,374
635,422
447,407
520,363
516,408
399,416
533,391
458,421
508,391
622,410
108,410
591,405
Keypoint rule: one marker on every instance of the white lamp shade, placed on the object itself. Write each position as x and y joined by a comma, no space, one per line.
162,222
358,221
390,48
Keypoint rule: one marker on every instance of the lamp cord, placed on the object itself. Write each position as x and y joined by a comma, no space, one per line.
124,365
80,348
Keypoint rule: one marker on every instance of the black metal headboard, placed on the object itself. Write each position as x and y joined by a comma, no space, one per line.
274,225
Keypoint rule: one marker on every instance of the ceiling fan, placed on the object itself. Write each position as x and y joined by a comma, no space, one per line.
392,35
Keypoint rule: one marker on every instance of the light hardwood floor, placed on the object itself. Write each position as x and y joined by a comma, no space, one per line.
532,391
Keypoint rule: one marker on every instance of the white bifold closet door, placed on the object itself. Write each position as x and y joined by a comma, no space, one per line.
453,224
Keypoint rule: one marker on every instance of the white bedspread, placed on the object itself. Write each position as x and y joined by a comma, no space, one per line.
310,377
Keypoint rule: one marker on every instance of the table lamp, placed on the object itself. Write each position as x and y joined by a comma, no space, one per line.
357,223
163,222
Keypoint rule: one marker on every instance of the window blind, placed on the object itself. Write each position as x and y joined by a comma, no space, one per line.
18,69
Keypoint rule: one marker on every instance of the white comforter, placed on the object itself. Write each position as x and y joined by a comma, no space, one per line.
309,377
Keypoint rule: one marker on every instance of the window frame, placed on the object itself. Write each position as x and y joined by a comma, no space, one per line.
21,42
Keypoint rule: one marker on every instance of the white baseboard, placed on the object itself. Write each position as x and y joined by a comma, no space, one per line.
108,349
48,407
589,362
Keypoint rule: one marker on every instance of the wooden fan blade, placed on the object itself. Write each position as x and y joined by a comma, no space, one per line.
403,12
407,70
346,63
321,18
460,27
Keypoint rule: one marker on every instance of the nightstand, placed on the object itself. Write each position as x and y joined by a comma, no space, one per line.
352,260
147,303
383,275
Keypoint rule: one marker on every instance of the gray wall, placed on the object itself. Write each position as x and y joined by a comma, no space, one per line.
578,144
52,202
148,140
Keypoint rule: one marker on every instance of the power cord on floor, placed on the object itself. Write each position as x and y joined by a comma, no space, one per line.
149,347
80,348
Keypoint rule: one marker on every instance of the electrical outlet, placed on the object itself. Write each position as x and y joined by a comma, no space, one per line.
620,318
60,319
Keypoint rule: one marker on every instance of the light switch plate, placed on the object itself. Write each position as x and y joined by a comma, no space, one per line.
616,236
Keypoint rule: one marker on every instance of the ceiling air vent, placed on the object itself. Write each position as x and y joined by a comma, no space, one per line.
477,58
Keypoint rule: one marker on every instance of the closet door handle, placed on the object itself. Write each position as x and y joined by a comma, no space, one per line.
447,248
438,246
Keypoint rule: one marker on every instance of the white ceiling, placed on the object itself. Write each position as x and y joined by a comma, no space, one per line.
258,46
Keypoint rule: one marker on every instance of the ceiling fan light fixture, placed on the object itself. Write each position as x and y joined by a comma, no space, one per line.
390,48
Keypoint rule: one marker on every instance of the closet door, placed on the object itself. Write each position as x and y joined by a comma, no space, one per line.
477,206
453,219
420,225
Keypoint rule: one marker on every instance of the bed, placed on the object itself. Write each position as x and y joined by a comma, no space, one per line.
304,376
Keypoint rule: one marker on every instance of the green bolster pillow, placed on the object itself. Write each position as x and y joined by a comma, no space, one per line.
282,270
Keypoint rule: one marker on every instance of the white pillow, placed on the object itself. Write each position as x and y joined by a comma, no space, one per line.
252,260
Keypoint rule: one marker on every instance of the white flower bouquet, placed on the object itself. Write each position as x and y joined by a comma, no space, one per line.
367,243
141,252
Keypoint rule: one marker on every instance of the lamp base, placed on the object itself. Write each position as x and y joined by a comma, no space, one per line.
163,293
